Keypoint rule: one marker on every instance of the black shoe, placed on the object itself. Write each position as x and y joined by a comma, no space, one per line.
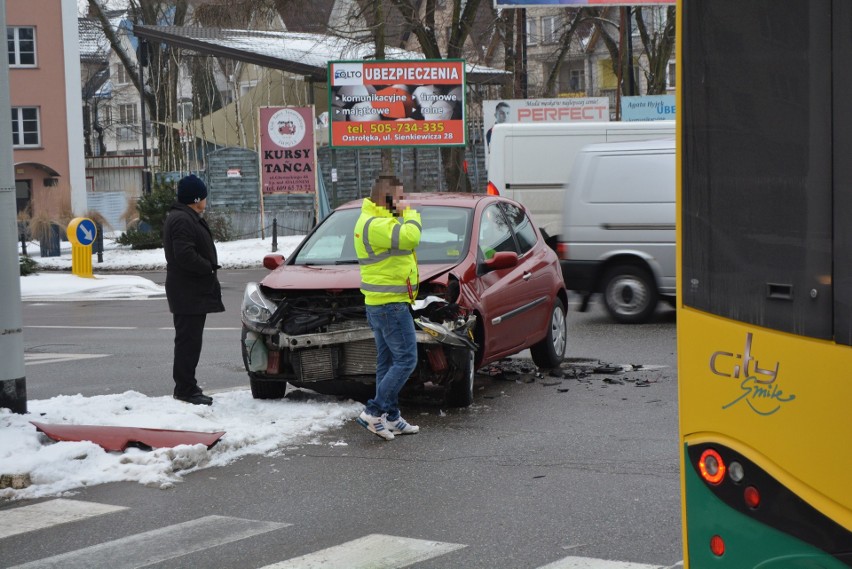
196,399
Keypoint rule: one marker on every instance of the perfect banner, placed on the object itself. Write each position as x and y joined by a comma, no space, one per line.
397,103
287,150
569,109
551,3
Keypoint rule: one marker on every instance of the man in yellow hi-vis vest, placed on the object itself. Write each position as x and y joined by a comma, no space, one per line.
386,234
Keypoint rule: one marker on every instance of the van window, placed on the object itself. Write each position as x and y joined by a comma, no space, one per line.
631,178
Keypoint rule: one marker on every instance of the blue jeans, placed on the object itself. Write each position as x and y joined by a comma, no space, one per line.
396,355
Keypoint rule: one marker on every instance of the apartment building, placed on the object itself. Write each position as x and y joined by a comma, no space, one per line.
47,126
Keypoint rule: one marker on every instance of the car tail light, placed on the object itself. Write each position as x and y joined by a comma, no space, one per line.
751,495
562,250
492,190
711,466
717,545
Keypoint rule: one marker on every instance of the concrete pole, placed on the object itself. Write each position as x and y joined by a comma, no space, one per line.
13,385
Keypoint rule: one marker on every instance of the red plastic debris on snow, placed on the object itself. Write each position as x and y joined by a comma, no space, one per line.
119,438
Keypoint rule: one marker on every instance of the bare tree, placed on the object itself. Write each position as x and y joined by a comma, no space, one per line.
657,46
160,94
461,21
575,19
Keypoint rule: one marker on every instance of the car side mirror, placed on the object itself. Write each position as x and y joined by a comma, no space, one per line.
501,260
273,261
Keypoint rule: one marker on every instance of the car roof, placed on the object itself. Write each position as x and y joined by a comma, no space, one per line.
436,198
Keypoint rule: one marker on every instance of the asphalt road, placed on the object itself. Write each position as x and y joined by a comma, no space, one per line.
538,470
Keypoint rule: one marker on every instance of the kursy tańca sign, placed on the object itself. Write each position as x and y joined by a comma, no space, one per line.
287,150
397,103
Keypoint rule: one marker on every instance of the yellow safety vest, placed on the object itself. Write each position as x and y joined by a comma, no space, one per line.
385,247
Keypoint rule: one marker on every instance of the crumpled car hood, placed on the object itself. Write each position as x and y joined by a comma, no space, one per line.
319,277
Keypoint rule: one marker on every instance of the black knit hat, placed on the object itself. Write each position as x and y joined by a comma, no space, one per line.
191,189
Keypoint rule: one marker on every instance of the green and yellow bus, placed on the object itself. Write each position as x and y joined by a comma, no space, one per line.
765,282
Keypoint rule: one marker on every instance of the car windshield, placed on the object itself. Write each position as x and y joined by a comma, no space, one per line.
443,240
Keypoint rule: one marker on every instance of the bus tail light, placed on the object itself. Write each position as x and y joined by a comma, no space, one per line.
562,250
711,466
717,545
751,495
492,189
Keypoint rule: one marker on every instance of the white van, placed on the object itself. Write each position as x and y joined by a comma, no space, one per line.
531,162
618,226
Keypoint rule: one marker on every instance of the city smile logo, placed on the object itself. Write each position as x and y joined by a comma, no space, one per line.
759,387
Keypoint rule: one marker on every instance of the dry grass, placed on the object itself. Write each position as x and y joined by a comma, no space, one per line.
98,218
130,217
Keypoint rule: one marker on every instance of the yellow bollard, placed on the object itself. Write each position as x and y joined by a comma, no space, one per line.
81,232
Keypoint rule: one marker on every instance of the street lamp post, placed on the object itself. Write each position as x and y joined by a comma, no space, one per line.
142,62
13,383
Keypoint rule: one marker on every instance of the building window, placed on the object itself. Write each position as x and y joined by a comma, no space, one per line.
121,74
532,31
184,111
576,80
125,133
22,47
549,29
25,127
127,114
671,75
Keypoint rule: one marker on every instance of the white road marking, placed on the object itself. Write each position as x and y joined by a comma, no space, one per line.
46,514
157,546
53,358
205,329
386,551
87,327
590,563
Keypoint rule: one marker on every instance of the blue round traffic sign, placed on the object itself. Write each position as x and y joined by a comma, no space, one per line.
82,231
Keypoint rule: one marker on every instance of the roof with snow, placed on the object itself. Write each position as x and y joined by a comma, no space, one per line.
304,54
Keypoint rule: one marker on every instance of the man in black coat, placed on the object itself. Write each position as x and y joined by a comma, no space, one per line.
192,288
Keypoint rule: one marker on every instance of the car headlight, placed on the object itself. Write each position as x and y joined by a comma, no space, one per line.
256,309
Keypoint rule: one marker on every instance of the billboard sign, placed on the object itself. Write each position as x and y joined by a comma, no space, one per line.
587,3
287,150
397,103
569,109
648,108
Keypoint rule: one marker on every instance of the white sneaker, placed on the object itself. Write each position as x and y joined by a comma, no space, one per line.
401,427
375,425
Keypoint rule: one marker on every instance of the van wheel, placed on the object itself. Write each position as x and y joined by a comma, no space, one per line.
550,352
630,294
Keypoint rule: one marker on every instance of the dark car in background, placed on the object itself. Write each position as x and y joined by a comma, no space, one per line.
490,287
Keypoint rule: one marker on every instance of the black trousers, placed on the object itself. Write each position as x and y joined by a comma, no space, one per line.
189,329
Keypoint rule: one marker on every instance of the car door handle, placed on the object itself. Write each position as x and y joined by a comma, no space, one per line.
527,276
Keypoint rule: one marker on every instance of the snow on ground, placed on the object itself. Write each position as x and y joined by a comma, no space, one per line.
251,426
108,284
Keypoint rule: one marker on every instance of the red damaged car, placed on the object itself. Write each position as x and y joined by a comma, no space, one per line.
490,287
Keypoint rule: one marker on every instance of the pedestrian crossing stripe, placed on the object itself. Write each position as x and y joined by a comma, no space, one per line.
52,358
376,550
171,542
159,545
589,563
46,514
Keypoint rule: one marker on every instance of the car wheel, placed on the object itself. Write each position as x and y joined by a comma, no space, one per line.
550,352
460,390
630,294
